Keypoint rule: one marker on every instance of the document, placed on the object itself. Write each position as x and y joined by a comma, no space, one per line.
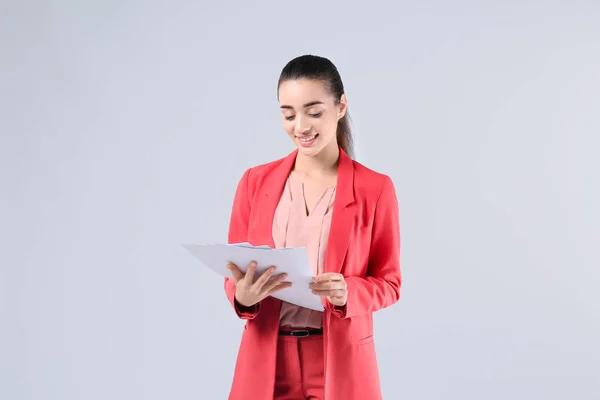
292,261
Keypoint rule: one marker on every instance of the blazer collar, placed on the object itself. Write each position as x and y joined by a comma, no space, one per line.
343,213
345,180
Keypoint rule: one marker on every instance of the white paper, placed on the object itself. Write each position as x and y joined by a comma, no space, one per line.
292,261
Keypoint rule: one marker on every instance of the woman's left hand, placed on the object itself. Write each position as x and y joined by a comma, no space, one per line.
331,285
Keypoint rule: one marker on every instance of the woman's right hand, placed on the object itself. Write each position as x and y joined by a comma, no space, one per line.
249,289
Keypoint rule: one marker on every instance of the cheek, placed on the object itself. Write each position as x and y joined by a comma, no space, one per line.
326,127
289,127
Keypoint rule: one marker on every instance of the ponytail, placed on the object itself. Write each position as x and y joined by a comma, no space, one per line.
344,135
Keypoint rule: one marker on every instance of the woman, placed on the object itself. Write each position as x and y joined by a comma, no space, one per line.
346,216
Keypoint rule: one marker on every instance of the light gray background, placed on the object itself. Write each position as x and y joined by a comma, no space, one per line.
125,127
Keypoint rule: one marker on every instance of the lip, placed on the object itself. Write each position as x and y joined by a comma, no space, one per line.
309,143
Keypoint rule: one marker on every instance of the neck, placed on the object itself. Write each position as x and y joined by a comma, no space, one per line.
324,162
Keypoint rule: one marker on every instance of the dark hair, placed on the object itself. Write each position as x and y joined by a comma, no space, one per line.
321,69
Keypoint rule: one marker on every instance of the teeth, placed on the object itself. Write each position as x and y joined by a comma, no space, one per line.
308,139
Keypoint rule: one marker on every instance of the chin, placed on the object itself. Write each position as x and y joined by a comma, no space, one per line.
309,151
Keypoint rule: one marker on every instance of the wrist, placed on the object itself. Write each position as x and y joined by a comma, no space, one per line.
242,305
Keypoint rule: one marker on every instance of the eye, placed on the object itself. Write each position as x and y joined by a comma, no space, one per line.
289,118
317,115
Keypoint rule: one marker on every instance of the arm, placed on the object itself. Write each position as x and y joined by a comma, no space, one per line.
238,233
381,287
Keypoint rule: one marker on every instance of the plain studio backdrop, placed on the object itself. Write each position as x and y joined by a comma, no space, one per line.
126,125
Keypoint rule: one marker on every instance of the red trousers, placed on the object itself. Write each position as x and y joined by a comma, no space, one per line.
300,369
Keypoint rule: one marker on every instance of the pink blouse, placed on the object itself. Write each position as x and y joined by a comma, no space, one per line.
293,227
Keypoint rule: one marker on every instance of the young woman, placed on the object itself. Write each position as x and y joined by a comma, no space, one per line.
346,216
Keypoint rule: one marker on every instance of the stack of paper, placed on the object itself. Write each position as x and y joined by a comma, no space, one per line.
292,261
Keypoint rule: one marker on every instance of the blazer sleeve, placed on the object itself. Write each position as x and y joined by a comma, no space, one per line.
238,233
380,287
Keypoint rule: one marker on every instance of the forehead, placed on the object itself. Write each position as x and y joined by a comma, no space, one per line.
297,92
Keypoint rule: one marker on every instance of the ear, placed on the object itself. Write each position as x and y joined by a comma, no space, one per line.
343,106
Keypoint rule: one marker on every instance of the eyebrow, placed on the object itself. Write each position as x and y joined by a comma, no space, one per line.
312,103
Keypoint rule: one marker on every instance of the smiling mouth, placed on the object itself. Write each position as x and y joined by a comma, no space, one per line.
307,139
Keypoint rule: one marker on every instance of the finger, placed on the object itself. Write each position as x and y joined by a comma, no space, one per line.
328,285
329,276
264,277
279,287
235,272
274,282
249,278
329,293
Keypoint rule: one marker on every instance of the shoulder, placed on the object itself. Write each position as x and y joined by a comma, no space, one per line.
256,175
260,172
370,183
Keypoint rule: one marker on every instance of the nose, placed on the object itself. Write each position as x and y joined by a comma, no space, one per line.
301,126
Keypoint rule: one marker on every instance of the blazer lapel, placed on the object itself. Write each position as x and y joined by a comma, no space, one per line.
342,218
268,197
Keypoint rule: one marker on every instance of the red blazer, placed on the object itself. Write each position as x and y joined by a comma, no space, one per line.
364,245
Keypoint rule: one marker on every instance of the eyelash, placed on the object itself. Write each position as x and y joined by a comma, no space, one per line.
312,115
